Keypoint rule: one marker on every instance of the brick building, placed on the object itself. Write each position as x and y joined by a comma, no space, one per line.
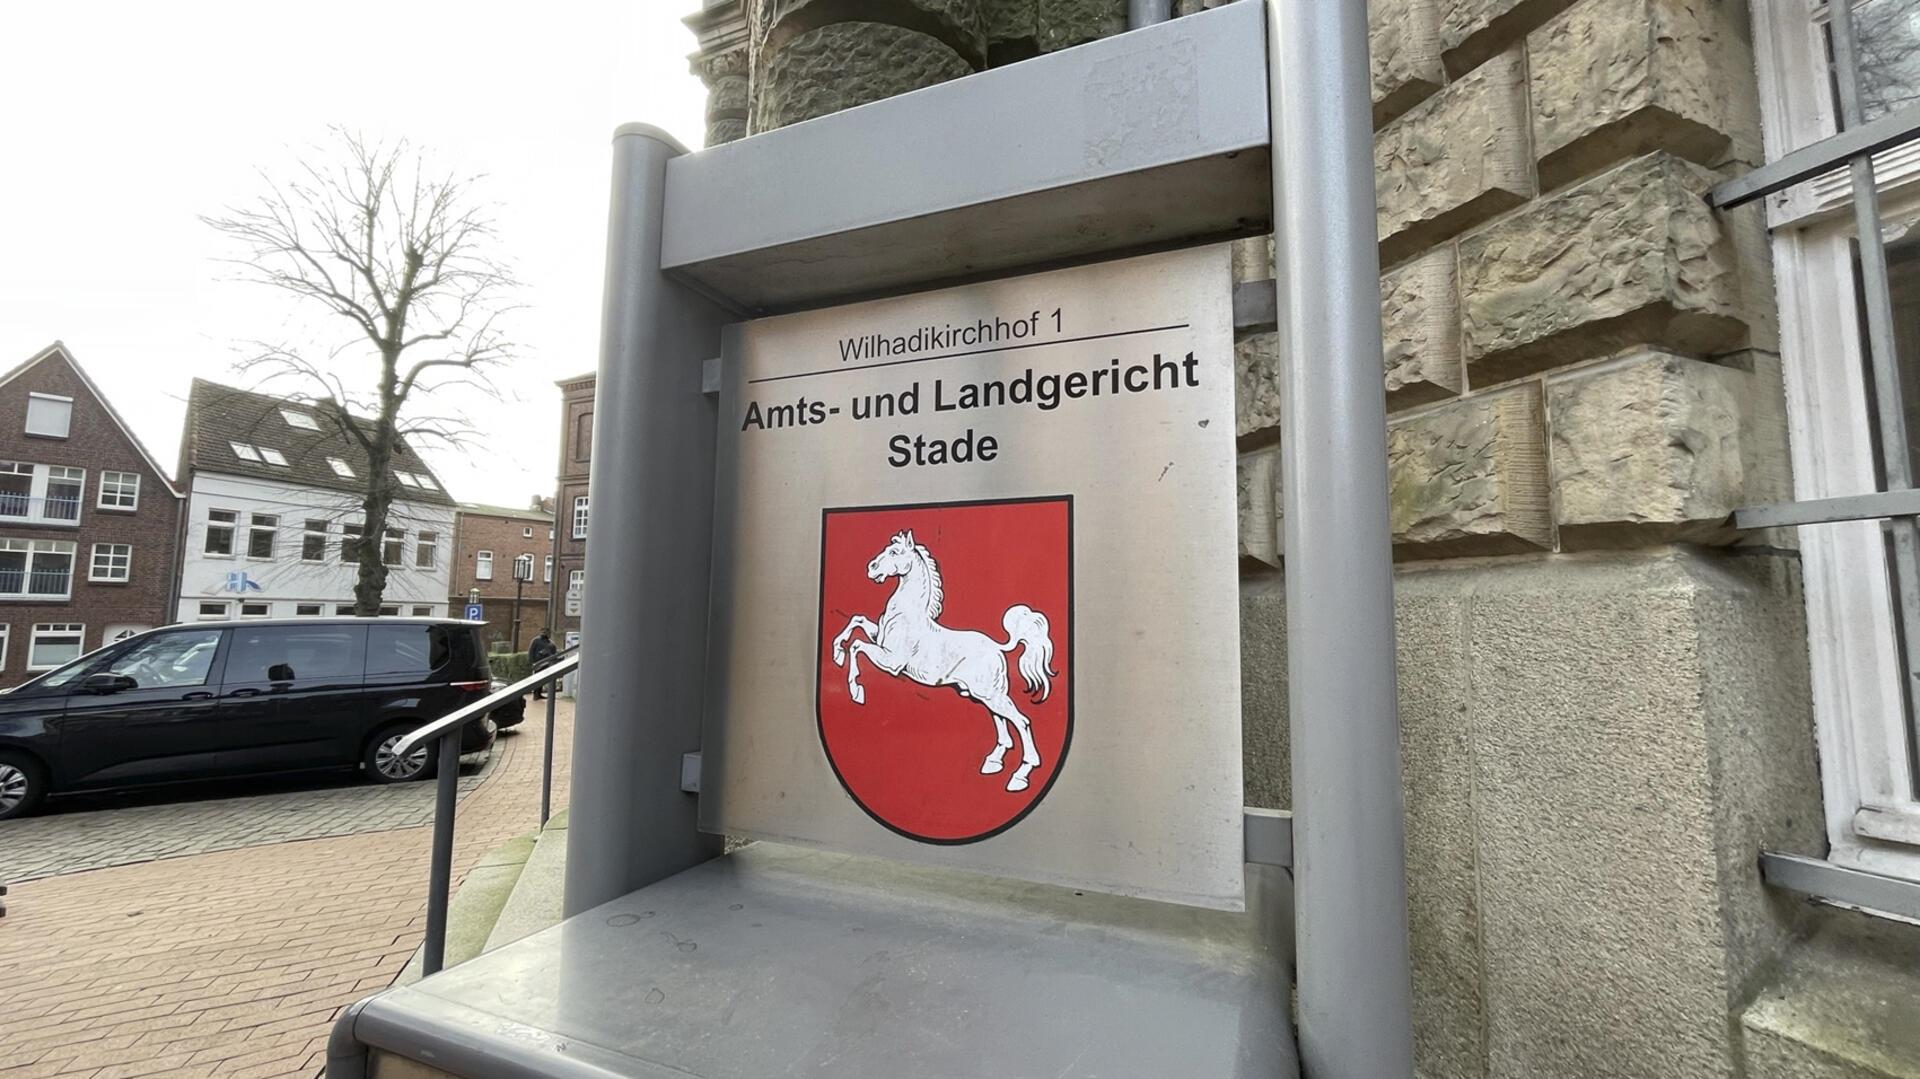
1611,701
89,524
487,542
570,506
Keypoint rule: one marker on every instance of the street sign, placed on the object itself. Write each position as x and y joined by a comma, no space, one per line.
476,613
573,605
970,623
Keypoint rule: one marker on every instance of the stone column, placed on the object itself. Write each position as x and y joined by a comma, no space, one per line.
813,57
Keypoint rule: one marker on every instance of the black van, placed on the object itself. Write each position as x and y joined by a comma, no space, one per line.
214,699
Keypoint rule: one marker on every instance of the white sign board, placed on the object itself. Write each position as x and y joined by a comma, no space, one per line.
975,550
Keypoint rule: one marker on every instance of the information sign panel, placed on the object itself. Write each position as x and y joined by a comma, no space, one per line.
476,613
976,596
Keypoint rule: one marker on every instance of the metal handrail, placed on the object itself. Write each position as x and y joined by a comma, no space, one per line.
446,730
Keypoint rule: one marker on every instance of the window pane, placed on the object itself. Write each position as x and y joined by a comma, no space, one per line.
394,547
424,550
170,659
406,650
307,609
350,542
1888,33
212,611
54,646
423,612
48,416
296,653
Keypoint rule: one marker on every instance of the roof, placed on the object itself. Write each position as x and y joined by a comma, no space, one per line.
219,416
527,514
59,348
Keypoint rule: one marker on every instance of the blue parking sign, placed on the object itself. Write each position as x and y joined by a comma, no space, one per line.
476,613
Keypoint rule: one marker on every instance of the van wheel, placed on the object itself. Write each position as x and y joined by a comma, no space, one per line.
23,782
383,765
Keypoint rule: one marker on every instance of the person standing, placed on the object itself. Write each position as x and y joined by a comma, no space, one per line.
539,651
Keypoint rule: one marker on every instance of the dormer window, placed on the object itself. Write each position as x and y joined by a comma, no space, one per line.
299,419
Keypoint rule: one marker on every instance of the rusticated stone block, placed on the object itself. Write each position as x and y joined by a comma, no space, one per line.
1470,477
1646,450
1066,23
1256,389
960,24
1633,256
845,64
1011,20
1454,161
1420,330
1258,474
1403,42
719,131
1471,31
1613,79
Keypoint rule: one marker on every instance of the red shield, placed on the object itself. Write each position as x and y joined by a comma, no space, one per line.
945,676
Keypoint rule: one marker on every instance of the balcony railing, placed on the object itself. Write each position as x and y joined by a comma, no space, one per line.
39,582
16,506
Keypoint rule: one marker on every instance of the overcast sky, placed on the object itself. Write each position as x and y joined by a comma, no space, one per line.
121,123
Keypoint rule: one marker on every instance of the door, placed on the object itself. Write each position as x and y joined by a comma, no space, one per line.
158,722
295,690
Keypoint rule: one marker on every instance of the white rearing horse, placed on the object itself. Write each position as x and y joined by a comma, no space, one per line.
909,641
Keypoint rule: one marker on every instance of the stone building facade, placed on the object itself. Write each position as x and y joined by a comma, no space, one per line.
89,524
571,508
487,541
1608,693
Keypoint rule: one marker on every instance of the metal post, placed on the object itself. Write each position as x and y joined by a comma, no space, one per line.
440,871
546,760
638,706
1147,12
1354,977
518,584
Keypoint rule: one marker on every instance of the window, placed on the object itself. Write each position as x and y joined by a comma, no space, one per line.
49,416
526,533
220,531
272,456
313,542
576,580
245,452
307,610
407,650
55,643
211,611
580,517
298,419
310,654
546,575
583,435
343,609
393,550
340,468
169,660
260,535
389,610
64,487
424,548
36,568
111,562
119,491
483,565
6,631
423,612
256,609
1869,738
407,479
350,542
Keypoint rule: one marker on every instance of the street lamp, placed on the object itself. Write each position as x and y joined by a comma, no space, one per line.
522,573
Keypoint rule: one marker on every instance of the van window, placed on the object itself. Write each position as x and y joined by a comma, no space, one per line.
296,653
406,649
169,660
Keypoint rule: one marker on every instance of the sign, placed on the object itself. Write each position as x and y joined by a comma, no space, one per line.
476,613
239,581
976,552
573,605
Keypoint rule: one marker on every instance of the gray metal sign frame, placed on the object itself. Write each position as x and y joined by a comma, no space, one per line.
698,240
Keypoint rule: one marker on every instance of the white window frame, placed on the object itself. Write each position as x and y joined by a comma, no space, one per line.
220,610
341,468
580,517
55,629
426,550
302,420
483,565
422,610
111,551
6,634
233,533
307,532
300,610
66,429
121,484
1872,821
273,536
393,548
34,548
547,574
272,456
267,613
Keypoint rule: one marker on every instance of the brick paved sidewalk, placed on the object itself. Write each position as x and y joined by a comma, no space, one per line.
234,963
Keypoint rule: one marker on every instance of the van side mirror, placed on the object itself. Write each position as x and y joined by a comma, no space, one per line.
108,683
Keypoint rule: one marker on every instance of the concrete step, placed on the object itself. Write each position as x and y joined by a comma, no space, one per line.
535,901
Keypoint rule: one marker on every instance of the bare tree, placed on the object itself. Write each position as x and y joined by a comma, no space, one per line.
399,259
